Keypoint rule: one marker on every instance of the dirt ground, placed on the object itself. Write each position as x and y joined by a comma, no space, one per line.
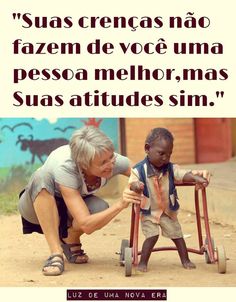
22,257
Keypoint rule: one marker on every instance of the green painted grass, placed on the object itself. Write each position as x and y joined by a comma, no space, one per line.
12,181
3,173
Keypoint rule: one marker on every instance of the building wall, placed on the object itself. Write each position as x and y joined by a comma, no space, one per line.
182,129
25,144
213,139
234,135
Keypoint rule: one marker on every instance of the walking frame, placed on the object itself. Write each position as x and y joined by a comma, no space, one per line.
129,248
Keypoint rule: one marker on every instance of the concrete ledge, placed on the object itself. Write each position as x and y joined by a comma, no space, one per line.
221,192
221,203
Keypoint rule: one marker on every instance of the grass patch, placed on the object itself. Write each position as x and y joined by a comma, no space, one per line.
3,173
9,204
12,181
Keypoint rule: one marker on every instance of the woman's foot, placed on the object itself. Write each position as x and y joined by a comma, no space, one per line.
54,265
74,253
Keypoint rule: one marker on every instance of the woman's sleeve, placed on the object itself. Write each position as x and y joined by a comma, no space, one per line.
122,164
67,175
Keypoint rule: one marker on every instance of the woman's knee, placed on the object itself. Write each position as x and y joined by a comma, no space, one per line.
96,204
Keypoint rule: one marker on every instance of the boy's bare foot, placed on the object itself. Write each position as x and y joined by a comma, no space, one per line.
188,264
142,268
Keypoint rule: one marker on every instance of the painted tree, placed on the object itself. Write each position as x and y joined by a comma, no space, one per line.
92,122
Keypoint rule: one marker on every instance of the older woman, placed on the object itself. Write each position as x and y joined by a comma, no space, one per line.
59,199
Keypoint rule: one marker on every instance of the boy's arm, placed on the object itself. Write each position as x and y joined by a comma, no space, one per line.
201,177
135,184
199,180
204,173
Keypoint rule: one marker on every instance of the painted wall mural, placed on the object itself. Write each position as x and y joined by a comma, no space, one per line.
25,143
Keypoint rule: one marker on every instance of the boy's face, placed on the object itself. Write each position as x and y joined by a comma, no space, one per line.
159,152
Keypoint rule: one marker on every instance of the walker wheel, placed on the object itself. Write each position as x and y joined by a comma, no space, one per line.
207,258
221,259
124,244
128,261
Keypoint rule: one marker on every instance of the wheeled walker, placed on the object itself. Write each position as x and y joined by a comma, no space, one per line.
129,248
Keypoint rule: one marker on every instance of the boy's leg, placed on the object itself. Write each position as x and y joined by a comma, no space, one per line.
151,233
146,252
183,253
172,229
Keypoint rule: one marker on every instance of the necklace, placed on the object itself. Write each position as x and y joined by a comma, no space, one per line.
91,185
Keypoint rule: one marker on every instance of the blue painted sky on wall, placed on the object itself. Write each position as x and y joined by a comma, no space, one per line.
13,129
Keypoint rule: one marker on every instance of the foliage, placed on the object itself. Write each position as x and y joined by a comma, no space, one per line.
8,204
12,182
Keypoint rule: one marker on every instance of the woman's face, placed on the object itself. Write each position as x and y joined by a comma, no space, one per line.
102,164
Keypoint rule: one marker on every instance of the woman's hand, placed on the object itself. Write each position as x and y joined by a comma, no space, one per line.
130,197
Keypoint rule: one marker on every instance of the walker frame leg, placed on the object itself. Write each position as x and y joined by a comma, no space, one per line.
212,254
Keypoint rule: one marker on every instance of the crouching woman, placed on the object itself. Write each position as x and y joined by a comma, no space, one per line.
60,202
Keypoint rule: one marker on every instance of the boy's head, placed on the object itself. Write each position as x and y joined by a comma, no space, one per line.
159,146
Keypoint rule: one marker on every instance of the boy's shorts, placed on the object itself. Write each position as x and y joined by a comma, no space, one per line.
170,228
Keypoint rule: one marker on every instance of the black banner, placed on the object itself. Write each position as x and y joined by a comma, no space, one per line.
117,294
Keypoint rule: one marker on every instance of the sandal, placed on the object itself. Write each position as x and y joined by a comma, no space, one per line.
52,262
77,256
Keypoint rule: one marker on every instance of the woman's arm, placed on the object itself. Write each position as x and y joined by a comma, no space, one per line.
127,172
87,222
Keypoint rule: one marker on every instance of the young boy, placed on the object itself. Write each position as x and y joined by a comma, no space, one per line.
155,178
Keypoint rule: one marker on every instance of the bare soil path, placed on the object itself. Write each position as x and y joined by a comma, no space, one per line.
22,257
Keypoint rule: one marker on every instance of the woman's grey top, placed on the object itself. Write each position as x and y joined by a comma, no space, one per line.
59,168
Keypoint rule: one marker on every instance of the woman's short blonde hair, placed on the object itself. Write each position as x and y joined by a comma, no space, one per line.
87,142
